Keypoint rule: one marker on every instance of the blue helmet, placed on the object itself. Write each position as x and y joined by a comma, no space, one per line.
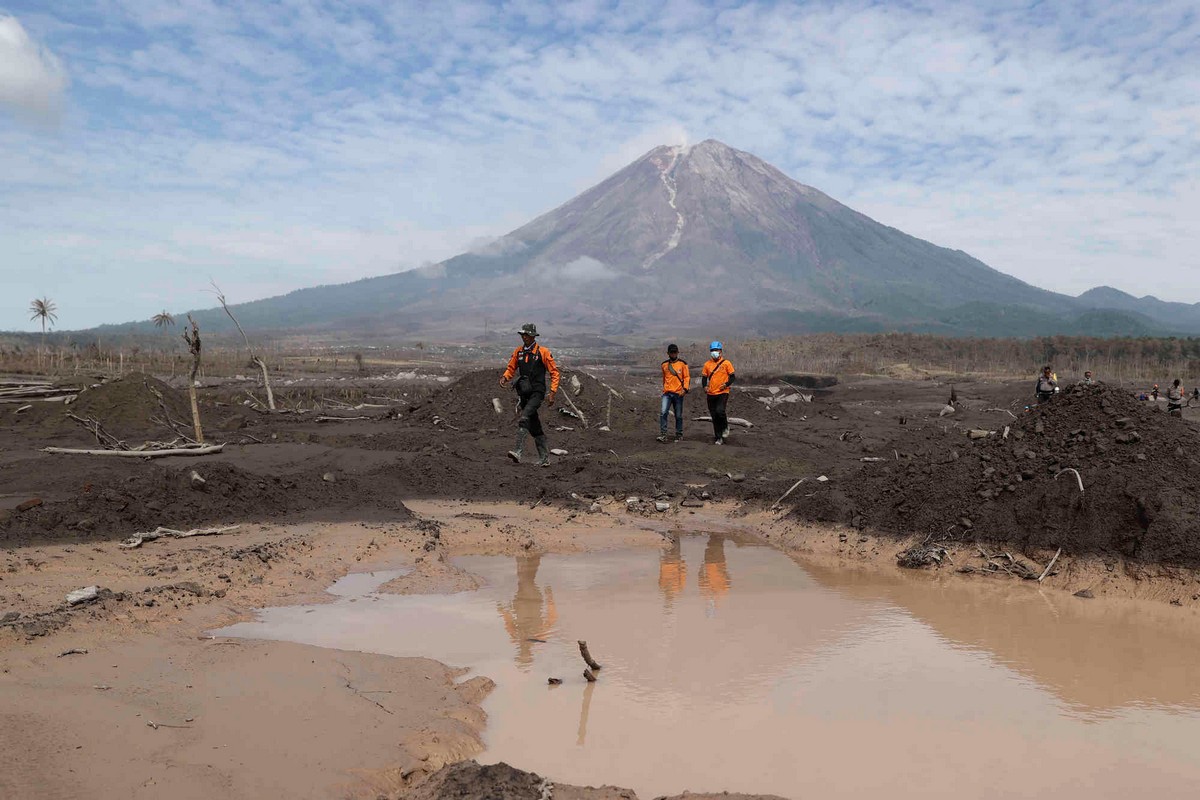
716,346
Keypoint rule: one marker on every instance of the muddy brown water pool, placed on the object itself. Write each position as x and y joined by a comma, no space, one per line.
727,666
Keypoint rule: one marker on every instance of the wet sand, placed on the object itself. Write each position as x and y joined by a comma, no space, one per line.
273,718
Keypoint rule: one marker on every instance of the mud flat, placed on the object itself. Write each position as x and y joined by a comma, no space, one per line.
727,665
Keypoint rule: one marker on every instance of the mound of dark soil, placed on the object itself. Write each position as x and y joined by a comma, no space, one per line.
1138,465
126,408
116,508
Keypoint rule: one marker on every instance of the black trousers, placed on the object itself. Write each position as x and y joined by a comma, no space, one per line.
716,408
530,403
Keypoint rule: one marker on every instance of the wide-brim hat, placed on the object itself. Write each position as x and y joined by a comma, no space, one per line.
528,329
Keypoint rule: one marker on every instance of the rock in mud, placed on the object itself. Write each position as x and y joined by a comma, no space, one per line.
85,595
1085,593
28,504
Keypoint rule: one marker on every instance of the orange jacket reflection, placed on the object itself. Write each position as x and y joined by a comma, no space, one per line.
714,575
525,618
672,573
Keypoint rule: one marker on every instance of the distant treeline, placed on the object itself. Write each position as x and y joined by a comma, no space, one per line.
1131,359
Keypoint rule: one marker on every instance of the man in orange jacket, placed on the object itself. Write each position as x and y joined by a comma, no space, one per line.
531,364
675,382
717,377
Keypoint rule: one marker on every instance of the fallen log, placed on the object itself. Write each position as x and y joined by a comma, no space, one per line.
160,532
176,451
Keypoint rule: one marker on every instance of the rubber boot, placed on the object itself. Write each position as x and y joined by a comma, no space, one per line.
543,451
515,454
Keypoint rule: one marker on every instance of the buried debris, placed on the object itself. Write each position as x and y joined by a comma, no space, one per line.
199,450
74,651
745,423
137,539
921,555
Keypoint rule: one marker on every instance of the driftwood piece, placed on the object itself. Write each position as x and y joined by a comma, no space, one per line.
1046,571
605,385
578,414
785,494
103,437
1077,478
160,533
202,450
587,657
589,676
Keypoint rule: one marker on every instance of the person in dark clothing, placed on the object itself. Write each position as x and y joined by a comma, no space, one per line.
717,378
530,364
1046,385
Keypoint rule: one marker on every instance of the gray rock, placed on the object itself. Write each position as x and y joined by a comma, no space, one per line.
662,505
85,595
329,477
1085,593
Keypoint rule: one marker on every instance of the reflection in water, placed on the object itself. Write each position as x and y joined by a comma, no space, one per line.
588,688
932,685
525,618
714,576
672,573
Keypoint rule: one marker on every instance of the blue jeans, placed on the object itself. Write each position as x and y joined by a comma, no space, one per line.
669,402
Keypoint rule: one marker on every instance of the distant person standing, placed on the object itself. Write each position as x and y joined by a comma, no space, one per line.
717,376
1046,385
1088,380
675,382
1175,398
531,364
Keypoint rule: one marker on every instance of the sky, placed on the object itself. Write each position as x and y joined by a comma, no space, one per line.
148,146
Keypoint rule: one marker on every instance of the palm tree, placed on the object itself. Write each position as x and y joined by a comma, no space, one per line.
43,310
162,318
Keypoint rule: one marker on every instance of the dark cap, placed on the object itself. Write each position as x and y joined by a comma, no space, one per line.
672,348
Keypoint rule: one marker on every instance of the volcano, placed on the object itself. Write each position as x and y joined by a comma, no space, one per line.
696,239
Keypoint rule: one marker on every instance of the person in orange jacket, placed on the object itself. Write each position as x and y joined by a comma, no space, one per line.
717,377
675,382
531,364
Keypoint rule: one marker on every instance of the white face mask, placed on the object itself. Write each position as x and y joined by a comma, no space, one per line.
715,354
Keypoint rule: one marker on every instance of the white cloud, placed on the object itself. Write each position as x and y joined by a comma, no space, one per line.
295,143
32,80
584,269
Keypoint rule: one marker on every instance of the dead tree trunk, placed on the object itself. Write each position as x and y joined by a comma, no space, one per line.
192,338
254,359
